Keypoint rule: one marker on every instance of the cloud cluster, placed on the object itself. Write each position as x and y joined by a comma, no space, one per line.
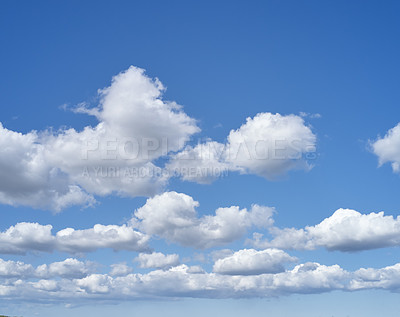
268,145
28,178
178,281
69,268
346,230
384,278
55,170
172,216
240,276
25,237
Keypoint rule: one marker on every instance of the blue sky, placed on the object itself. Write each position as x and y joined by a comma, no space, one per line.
300,233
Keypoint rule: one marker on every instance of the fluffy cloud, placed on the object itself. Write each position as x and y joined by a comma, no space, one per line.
268,145
157,260
346,230
25,237
181,281
120,269
10,269
100,236
58,169
253,262
388,148
135,126
73,280
69,268
203,163
27,178
172,216
384,278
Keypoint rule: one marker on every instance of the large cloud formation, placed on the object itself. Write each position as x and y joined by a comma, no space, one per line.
346,230
135,126
268,145
56,169
76,281
172,216
25,237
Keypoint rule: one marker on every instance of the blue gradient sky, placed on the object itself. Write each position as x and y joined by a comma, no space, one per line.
223,61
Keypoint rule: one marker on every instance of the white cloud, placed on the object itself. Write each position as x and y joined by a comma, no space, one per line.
135,126
95,284
25,237
9,269
120,269
253,262
69,268
181,281
271,144
203,163
27,178
73,280
172,216
346,230
268,145
59,169
112,236
384,278
157,260
388,148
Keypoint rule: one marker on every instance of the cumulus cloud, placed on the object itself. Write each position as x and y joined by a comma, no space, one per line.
112,236
69,268
157,260
370,278
74,280
388,148
181,281
27,178
203,163
172,216
253,262
120,269
25,237
10,269
346,230
268,145
55,170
